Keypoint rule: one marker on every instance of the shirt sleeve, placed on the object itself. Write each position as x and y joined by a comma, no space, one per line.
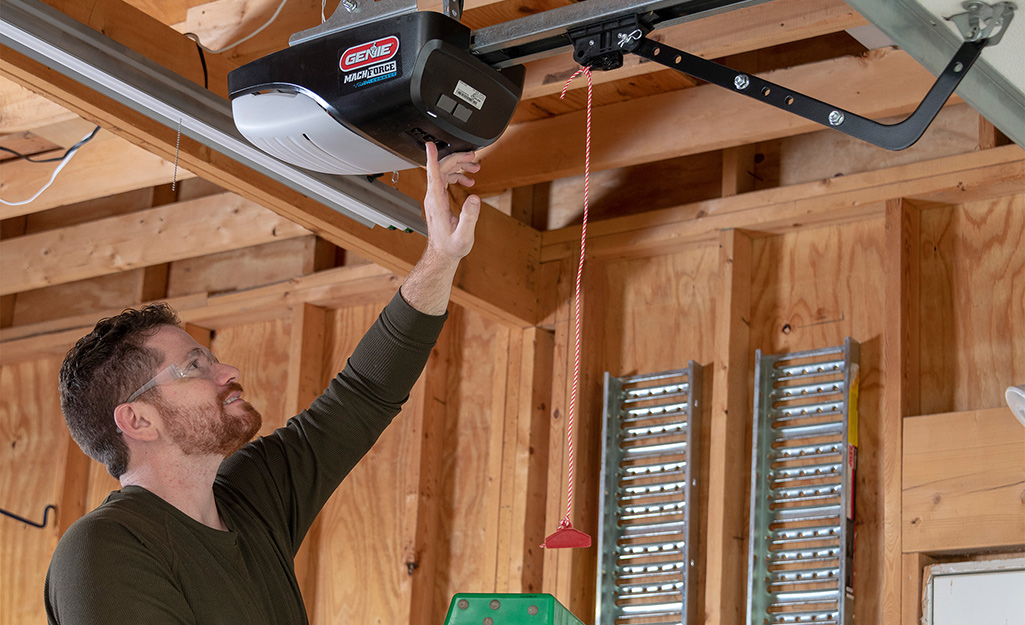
288,476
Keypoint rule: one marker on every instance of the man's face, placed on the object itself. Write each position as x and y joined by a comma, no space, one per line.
203,415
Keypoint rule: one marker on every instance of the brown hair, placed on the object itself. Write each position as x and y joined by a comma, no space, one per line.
101,371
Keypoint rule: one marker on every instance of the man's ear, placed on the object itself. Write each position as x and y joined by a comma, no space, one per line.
134,423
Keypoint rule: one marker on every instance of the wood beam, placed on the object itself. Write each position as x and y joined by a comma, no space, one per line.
145,34
518,462
217,223
334,288
901,390
912,575
23,110
725,562
949,180
422,551
697,120
305,383
733,32
493,280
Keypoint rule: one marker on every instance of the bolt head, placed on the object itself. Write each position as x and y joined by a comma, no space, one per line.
836,118
741,82
463,604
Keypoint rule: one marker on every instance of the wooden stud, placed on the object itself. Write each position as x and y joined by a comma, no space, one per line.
306,382
913,567
532,462
507,345
423,548
519,527
725,565
901,388
738,170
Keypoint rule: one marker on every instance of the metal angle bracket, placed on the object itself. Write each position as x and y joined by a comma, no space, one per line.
984,25
984,22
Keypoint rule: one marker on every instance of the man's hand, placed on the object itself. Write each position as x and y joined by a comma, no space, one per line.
448,235
449,238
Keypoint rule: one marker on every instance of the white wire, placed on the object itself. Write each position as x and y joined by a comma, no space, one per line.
53,176
256,32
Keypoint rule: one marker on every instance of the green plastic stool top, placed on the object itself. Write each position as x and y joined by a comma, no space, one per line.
508,609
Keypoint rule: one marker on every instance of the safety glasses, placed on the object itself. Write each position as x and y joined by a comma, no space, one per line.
199,364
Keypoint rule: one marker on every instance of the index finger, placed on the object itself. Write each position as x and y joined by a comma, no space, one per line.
432,160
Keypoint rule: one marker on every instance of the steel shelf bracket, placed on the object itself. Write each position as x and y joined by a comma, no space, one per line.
803,462
649,460
599,46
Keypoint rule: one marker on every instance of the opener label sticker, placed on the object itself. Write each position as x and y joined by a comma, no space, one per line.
370,62
469,95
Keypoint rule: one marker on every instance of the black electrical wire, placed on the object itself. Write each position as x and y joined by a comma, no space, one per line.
28,158
202,58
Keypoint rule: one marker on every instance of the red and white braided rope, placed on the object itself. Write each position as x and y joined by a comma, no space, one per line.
580,270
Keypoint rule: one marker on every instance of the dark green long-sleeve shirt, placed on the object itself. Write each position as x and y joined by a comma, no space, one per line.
137,560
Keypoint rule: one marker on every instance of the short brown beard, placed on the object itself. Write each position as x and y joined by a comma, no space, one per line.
197,433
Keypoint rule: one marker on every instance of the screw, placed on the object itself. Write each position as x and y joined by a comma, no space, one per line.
532,610
835,118
489,621
350,5
463,604
741,82
495,604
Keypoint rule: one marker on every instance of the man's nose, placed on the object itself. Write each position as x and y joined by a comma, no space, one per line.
226,373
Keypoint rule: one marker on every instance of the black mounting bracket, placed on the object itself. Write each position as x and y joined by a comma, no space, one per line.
602,45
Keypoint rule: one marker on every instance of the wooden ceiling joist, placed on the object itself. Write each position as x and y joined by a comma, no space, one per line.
217,223
498,278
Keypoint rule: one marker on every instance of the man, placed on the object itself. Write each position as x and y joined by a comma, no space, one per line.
206,525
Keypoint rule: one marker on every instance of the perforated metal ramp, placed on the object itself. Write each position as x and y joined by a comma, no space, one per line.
804,455
648,468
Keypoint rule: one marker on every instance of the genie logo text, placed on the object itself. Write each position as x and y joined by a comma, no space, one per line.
369,53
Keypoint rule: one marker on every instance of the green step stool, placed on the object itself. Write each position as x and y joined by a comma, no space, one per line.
508,609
